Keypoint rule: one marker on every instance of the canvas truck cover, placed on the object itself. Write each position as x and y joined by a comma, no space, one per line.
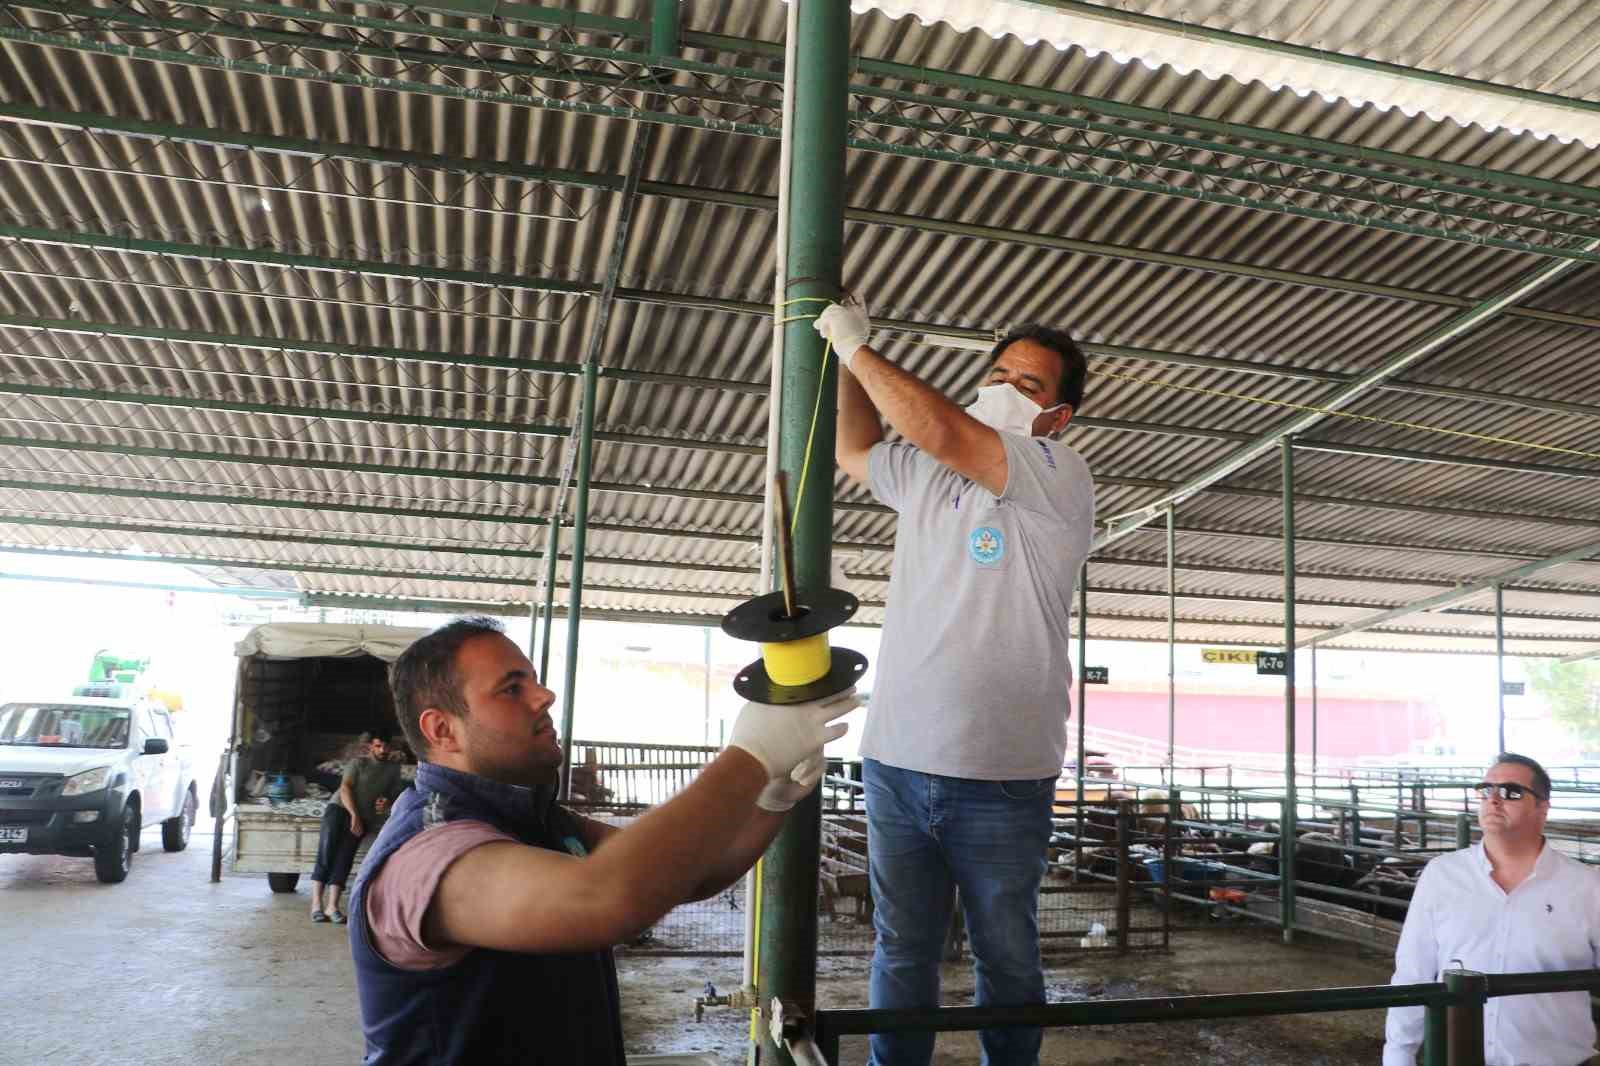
316,640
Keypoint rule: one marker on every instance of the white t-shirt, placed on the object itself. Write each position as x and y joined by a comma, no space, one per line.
974,678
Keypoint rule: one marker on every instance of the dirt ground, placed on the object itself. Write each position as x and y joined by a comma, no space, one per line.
660,993
167,968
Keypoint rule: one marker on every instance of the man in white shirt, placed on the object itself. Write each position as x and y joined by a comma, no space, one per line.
1510,904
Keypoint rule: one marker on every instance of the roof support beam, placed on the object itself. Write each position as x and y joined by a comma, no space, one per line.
95,123
1274,162
1583,551
1120,525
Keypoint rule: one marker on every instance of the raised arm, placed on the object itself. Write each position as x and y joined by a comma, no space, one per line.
870,385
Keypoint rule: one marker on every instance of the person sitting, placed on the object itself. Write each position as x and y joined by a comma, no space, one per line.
369,785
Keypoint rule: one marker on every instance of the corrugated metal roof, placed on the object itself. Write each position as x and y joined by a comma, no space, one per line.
283,433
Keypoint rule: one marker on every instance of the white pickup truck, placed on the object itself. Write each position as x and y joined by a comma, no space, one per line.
305,691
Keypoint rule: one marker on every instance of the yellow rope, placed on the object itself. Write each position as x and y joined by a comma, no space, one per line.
1312,408
816,410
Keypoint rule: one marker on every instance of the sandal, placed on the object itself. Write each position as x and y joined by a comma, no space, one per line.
318,916
338,918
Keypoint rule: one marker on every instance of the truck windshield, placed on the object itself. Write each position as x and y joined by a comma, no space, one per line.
46,725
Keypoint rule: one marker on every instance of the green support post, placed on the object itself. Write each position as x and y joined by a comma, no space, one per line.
1500,660
787,958
1083,662
1463,830
552,556
1172,644
580,531
1286,837
1464,1020
1436,1035
664,28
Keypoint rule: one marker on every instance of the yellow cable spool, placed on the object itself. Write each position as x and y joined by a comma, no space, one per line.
797,662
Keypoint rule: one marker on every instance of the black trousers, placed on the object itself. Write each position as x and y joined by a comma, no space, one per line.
336,848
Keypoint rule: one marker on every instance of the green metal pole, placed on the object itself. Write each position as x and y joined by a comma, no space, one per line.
1172,644
1083,663
787,960
1436,1036
580,531
552,557
1500,659
1465,1017
664,28
1286,841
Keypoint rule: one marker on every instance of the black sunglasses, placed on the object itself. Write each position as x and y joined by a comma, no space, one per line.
1507,790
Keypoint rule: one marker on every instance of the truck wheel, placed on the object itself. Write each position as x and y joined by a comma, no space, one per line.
282,882
114,858
175,831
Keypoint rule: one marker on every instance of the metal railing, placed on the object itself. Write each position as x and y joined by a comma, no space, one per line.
1453,1031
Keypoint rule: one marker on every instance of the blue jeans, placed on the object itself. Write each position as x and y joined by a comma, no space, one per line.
927,836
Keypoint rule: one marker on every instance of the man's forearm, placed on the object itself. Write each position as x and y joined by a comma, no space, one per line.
922,414
859,427
695,830
752,843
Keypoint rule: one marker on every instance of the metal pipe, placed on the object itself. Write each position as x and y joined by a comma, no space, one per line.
1125,874
1128,1011
1172,641
788,959
780,280
1464,1022
551,557
1500,661
1083,706
664,27
1120,525
580,532
1313,719
1287,836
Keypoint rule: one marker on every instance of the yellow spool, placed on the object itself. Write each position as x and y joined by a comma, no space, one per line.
797,662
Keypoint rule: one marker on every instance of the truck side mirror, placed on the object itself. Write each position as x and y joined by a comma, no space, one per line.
155,746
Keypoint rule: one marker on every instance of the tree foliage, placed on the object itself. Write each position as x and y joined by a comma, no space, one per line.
1573,692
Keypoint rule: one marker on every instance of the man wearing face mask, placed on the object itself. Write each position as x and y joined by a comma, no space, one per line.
966,731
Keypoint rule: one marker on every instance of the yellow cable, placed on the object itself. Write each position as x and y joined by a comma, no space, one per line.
816,410
1312,408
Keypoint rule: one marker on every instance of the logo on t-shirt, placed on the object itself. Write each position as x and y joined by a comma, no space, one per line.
986,545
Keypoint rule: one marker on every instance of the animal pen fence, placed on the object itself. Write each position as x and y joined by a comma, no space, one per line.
1143,854
1105,886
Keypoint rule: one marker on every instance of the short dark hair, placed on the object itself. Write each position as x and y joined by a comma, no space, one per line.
425,675
1541,780
1074,366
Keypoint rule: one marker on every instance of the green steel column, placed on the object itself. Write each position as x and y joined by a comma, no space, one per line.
1313,723
1172,643
552,556
1463,830
1286,839
787,958
1083,660
580,532
1464,1023
1435,1036
1500,659
664,28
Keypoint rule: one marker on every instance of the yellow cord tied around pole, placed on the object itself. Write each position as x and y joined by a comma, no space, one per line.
797,662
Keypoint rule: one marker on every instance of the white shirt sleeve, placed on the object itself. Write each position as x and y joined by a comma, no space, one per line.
1416,961
895,471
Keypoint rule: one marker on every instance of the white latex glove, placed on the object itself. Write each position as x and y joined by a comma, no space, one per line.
783,793
845,326
781,738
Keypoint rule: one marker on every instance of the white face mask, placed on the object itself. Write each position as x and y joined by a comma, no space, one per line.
1004,408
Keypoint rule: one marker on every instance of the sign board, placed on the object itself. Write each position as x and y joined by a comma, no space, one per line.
1512,688
1097,675
1274,663
1228,655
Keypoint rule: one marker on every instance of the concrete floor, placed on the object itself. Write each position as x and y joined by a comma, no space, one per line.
169,968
